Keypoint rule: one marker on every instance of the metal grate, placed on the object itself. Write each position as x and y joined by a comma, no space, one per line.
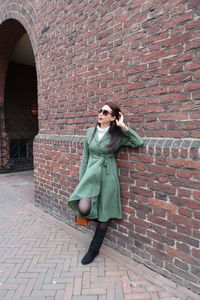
21,126
18,149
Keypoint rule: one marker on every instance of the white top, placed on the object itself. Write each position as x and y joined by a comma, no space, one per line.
101,131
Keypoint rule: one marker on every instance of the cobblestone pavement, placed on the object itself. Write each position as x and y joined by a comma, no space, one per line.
40,257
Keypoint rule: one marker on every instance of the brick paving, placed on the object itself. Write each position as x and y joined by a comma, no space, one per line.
40,257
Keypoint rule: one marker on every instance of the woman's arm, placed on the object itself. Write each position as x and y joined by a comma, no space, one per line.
130,138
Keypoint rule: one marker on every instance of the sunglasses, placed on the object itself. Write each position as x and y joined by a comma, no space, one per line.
104,112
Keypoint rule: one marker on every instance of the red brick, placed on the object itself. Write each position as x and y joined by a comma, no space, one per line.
193,65
197,215
159,254
185,212
178,39
184,163
196,195
183,238
166,188
173,116
192,86
181,201
196,253
185,173
159,212
193,4
181,255
163,205
196,233
184,230
179,19
183,247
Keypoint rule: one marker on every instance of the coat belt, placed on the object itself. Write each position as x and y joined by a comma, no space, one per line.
105,158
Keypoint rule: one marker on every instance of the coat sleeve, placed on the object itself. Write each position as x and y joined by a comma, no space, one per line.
84,159
131,139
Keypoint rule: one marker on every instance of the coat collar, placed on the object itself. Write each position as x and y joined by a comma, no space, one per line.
105,137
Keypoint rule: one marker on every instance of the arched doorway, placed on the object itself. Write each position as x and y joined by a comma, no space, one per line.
20,122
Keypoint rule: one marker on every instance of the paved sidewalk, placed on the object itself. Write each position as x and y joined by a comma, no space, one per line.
40,257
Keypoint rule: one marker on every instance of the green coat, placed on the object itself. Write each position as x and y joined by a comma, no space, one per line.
98,176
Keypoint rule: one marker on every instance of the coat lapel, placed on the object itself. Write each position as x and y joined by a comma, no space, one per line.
96,138
103,140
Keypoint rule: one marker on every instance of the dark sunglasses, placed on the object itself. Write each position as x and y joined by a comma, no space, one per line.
104,112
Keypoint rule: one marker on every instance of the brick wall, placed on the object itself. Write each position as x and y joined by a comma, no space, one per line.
160,198
145,56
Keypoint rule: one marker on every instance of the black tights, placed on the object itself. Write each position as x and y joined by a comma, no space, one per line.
102,225
84,206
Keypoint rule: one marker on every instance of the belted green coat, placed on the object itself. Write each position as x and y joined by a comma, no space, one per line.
98,178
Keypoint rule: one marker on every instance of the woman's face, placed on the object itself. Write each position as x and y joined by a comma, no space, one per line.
105,117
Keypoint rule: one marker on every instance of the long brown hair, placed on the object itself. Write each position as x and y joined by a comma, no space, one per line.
114,130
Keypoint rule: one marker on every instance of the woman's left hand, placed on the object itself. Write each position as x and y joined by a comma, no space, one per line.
120,122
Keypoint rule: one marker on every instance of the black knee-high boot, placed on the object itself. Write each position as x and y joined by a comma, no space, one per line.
95,245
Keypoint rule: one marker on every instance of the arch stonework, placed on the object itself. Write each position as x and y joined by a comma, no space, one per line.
12,12
144,55
26,14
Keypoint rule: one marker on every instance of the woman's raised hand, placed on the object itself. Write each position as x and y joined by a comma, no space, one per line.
120,121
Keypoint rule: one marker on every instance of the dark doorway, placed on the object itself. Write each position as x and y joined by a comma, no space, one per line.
20,107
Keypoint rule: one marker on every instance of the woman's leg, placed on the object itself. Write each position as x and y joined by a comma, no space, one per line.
84,206
103,225
96,243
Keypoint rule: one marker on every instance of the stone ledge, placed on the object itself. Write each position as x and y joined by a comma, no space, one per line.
155,143
51,138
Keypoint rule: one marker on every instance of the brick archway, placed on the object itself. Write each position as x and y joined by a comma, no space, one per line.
26,15
15,19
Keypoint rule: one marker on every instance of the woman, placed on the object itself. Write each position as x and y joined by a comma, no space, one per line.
97,196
